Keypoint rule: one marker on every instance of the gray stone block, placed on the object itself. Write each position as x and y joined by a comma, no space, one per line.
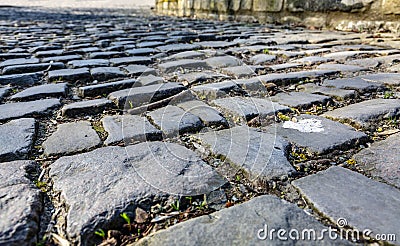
364,114
81,74
174,121
345,197
28,109
208,115
42,91
318,134
300,100
248,108
183,64
138,96
24,79
21,204
130,129
382,160
100,89
99,185
16,139
70,138
89,107
262,155
249,223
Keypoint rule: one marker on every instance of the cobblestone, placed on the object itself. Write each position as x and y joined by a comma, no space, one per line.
198,118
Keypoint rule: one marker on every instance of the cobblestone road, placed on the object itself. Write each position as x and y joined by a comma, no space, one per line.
121,127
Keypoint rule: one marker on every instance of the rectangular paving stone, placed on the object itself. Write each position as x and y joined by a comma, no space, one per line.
16,139
27,109
106,73
248,108
90,107
70,138
369,63
106,88
197,77
318,134
300,100
244,224
150,80
338,94
355,83
392,79
89,63
183,64
174,121
364,114
215,44
65,58
262,58
29,68
141,52
241,71
293,77
223,61
81,74
382,160
21,204
24,79
215,90
187,55
49,53
138,96
312,60
99,185
348,197
149,44
10,55
261,155
141,60
18,61
42,91
105,54
284,66
44,47
171,48
139,70
130,129
341,67
208,115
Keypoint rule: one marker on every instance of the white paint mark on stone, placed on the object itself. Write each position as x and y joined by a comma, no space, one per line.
307,125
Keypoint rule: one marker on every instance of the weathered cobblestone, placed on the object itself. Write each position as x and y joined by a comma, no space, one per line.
86,107
21,204
16,139
70,138
27,109
130,129
330,192
123,181
366,113
260,154
318,134
42,91
381,159
259,211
